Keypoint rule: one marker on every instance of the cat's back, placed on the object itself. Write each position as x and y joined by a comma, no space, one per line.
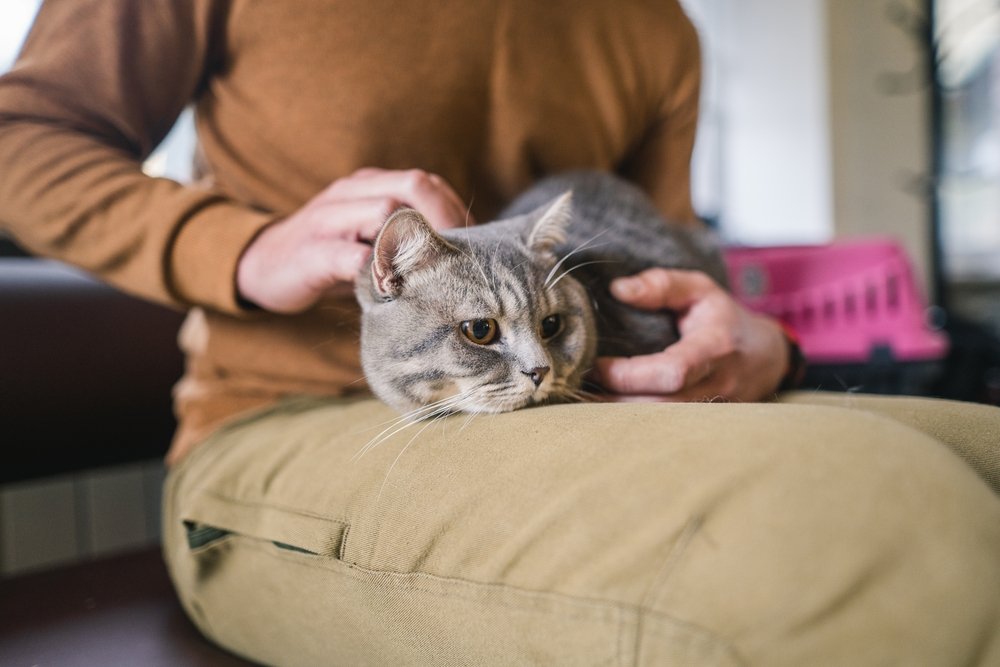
615,222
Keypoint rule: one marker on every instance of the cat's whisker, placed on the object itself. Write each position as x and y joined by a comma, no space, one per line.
580,266
468,210
356,380
472,415
581,396
398,456
461,398
478,264
583,246
492,390
437,409
471,255
403,422
496,251
397,427
394,420
406,417
595,391
379,440
493,262
561,390
425,410
579,248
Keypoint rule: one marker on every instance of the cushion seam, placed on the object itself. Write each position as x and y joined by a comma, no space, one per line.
620,610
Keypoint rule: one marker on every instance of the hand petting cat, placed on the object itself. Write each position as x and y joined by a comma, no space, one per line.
319,249
725,352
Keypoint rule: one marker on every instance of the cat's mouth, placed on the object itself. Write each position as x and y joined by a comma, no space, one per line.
493,398
510,403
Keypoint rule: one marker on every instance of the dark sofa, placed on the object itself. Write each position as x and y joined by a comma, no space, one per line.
85,380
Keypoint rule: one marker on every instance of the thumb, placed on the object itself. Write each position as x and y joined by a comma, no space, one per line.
339,261
329,267
657,288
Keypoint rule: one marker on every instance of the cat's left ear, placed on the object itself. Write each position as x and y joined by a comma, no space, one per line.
406,243
549,229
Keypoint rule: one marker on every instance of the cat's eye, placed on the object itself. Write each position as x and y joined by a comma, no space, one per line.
480,332
550,326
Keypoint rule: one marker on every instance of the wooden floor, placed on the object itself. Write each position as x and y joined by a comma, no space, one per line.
114,611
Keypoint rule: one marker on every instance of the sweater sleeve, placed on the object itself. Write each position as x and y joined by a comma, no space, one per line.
661,163
97,86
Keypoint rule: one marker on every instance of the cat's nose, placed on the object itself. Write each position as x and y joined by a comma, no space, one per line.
537,374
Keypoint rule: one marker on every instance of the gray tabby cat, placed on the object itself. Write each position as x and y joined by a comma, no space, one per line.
501,316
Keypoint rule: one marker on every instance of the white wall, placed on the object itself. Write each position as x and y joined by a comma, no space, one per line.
880,126
763,160
15,19
801,142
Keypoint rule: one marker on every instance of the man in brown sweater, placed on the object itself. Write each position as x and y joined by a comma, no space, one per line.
683,533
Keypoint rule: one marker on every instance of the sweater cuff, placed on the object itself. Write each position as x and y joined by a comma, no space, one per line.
201,264
797,364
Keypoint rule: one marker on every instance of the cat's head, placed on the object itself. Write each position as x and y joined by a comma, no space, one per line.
474,320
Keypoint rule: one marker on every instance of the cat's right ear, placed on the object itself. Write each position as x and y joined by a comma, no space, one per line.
406,243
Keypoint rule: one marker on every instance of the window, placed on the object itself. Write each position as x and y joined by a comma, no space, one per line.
762,164
15,19
968,37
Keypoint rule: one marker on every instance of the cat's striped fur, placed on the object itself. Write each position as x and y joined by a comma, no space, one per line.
544,267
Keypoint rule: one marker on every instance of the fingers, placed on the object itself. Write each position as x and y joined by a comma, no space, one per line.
658,288
336,261
705,365
705,381
294,262
351,219
709,324
667,372
428,193
724,352
645,374
292,279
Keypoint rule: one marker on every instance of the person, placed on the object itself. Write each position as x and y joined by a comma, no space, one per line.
807,530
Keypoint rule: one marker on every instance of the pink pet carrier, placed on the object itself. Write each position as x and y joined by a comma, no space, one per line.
848,301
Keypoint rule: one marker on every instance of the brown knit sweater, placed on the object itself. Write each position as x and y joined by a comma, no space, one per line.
490,94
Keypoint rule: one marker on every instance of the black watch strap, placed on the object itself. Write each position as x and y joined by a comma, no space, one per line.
796,361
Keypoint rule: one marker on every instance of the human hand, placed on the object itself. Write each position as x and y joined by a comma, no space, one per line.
321,247
724,352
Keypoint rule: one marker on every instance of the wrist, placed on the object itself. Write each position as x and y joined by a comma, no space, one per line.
795,364
251,280
203,259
